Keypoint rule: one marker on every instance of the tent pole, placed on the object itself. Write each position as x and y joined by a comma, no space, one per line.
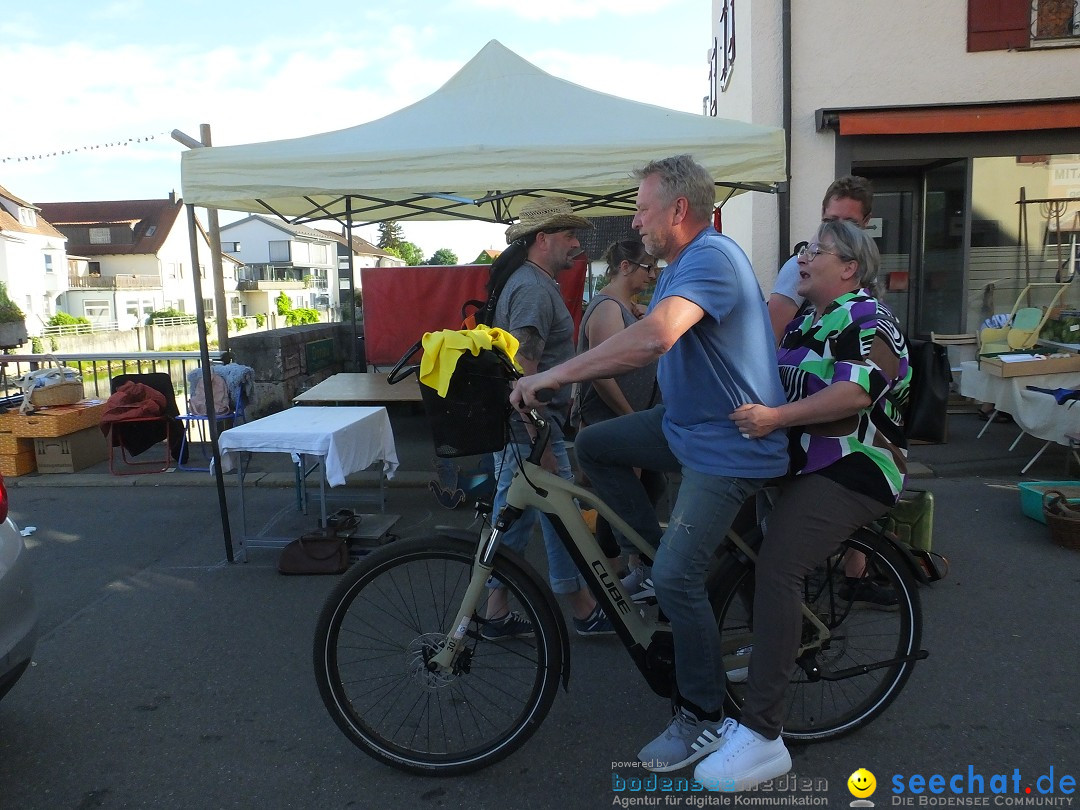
208,382
352,288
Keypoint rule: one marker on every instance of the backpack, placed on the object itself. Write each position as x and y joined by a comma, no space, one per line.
197,400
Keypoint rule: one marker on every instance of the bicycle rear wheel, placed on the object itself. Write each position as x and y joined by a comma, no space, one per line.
388,615
867,647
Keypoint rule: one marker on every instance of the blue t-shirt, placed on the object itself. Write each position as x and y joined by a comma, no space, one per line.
725,360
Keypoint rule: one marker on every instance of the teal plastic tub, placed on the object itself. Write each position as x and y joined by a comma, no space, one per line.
1031,496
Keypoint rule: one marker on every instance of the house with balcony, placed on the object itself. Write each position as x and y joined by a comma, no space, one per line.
278,258
964,115
133,258
33,260
364,254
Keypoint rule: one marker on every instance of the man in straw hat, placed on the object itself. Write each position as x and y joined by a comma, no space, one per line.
708,326
542,244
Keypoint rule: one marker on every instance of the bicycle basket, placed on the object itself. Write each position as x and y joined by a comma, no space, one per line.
472,418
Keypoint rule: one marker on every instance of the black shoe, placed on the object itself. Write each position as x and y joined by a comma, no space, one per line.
868,593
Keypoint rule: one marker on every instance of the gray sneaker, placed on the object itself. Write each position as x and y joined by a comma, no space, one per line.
685,740
639,584
512,625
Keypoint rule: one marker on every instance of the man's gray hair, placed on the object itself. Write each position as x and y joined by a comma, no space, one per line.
682,176
853,244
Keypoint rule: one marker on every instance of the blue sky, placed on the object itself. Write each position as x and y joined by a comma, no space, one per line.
126,73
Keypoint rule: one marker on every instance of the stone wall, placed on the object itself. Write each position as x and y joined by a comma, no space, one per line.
291,360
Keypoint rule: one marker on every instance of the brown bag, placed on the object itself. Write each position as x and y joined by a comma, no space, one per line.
315,553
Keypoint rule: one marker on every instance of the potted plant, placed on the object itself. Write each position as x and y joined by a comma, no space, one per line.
12,321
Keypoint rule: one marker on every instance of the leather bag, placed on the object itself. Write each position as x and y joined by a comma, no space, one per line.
928,398
315,553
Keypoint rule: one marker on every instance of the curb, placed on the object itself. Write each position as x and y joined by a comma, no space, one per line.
180,478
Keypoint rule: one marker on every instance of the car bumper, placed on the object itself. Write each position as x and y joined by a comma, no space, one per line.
18,612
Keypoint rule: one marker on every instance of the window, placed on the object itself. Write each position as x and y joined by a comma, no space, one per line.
94,269
97,310
997,25
208,307
100,236
48,263
279,251
27,217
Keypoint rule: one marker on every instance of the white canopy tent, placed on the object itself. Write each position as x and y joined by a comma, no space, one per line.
499,132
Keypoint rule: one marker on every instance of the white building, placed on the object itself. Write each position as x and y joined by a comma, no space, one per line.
137,260
33,260
949,108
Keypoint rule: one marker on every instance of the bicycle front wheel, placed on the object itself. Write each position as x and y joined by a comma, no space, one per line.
845,680
383,622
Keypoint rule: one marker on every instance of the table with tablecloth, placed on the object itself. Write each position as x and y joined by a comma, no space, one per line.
1035,412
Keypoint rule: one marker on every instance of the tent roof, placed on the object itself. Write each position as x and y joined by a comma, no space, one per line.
500,130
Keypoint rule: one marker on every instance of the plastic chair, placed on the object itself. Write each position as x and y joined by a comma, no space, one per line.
202,421
137,435
1024,326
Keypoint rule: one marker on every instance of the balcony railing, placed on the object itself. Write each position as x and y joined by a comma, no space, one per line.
127,282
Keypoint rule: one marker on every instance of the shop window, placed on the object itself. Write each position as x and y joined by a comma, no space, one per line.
996,25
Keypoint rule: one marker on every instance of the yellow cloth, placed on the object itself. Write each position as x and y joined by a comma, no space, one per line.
443,349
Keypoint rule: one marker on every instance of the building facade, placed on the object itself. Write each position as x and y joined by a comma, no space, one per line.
965,115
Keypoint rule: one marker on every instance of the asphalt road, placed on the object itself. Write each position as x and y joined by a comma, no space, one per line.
166,678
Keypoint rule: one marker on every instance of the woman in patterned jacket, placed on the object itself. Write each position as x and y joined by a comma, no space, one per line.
845,372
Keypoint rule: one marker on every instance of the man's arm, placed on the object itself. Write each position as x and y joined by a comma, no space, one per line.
637,345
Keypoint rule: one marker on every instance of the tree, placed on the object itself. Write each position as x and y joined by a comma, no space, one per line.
283,303
443,256
410,253
390,235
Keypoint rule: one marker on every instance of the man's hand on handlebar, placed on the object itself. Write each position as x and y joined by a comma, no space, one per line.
524,395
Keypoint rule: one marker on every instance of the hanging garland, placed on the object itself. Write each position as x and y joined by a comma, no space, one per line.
93,147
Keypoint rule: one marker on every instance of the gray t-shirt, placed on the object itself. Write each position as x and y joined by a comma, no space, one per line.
787,280
531,298
638,386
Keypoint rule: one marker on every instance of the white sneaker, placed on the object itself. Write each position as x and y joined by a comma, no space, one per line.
743,760
639,584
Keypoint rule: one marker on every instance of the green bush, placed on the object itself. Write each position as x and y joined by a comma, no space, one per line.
283,303
295,317
9,310
239,323
260,320
65,319
166,313
36,346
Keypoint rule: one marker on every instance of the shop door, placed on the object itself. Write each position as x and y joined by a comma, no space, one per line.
893,223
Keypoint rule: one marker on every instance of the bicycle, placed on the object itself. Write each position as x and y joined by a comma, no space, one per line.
406,673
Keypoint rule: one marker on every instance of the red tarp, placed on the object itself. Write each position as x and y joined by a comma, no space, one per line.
401,303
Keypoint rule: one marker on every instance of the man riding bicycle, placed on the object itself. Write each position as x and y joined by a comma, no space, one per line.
708,326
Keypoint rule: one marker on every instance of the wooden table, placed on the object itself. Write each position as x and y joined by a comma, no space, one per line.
359,389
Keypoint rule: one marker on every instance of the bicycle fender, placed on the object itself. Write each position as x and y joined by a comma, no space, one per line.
914,567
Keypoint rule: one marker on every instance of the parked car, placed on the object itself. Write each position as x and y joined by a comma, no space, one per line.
18,613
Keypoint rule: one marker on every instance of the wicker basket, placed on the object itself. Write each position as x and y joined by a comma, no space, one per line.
65,393
1063,520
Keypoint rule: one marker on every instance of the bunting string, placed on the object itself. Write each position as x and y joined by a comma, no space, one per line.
90,148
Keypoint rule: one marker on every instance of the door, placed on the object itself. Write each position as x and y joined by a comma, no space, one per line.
894,225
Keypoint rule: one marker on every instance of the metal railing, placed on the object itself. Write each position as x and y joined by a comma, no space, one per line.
65,329
97,370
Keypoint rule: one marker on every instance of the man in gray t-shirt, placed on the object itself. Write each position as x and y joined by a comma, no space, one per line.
542,244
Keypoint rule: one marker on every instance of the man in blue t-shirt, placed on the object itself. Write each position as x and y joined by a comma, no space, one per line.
708,327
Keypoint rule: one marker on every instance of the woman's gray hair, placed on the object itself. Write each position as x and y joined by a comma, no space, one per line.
853,244
682,176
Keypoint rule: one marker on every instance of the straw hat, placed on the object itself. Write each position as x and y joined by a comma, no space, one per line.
545,214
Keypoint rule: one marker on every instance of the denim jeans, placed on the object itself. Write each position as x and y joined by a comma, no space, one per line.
562,572
704,510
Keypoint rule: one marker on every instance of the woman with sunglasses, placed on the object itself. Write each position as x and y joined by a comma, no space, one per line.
630,271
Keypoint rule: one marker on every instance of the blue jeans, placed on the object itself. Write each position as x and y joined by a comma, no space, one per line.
704,511
562,573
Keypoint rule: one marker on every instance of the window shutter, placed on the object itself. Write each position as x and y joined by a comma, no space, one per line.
998,25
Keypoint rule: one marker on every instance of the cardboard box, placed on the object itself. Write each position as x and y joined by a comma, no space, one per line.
11,445
17,464
1024,368
58,421
64,454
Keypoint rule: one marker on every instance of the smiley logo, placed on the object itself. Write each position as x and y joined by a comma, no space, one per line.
862,783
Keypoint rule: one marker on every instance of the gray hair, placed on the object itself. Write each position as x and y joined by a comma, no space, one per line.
853,244
682,176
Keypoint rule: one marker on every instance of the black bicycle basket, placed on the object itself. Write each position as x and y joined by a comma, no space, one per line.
472,417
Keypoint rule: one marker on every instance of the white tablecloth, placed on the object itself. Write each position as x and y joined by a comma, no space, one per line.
347,439
1035,412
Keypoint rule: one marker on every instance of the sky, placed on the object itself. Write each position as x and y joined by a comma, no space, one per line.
94,89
